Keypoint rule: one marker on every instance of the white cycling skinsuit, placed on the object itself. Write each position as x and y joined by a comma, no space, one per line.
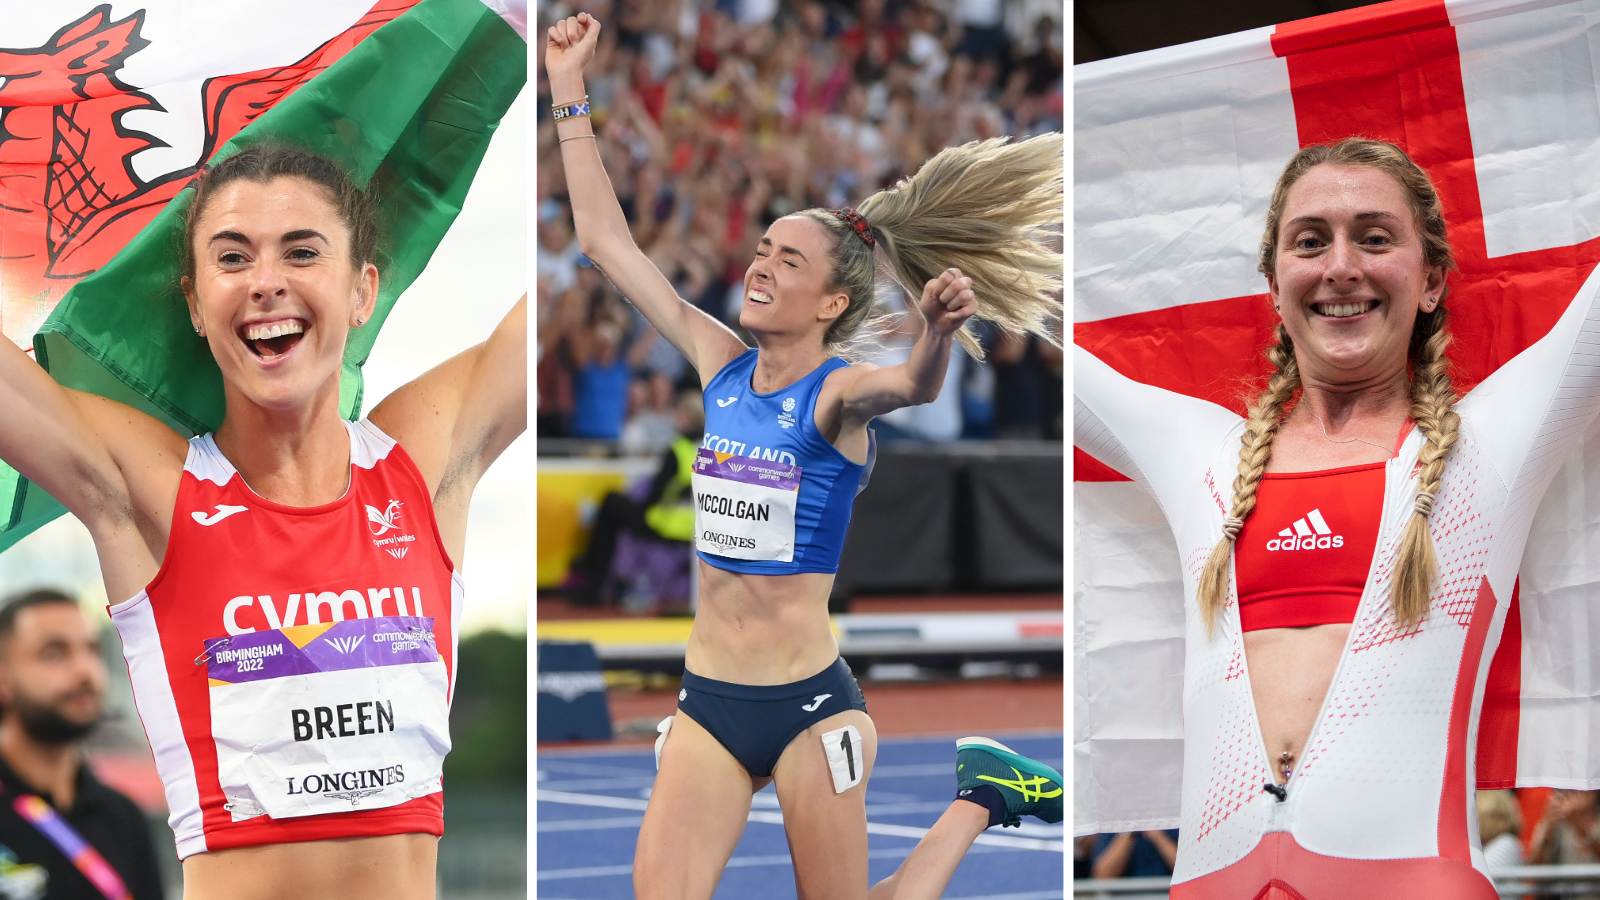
1382,801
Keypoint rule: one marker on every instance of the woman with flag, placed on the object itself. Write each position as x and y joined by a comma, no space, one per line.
288,587
1351,585
766,697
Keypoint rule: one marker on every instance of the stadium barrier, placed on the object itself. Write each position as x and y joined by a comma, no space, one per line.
967,516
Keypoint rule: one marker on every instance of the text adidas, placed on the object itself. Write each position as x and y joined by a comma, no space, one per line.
1309,532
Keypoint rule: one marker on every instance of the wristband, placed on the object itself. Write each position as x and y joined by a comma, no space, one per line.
570,110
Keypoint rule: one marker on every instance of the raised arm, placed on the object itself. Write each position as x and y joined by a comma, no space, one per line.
458,417
1153,436
603,234
1530,412
112,466
947,301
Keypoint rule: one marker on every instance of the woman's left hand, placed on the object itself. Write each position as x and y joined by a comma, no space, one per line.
948,302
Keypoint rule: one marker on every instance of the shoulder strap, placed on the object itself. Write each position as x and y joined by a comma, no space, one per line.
60,833
206,462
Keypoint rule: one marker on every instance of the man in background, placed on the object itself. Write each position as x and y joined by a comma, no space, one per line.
63,834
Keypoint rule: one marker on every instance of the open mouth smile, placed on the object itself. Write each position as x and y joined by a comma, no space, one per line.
758,295
271,340
1343,310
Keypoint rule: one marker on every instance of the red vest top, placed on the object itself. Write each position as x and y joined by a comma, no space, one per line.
292,666
1303,555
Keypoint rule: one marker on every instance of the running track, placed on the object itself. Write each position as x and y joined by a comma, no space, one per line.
590,803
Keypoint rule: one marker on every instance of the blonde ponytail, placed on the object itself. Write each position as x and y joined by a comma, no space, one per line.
986,208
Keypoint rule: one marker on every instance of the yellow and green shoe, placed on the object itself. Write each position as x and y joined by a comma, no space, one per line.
1030,788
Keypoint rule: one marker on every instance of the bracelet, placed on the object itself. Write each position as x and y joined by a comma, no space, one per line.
574,138
570,110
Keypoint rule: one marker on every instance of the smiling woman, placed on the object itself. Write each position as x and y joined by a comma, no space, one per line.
766,697
304,556
1359,570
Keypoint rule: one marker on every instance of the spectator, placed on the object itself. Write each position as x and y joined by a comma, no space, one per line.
651,424
1135,855
552,377
1083,856
52,692
1569,831
1499,824
558,247
664,512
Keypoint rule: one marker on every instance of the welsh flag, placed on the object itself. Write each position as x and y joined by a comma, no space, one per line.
107,110
1177,151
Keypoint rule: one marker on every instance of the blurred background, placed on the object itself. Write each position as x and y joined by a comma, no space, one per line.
475,276
715,117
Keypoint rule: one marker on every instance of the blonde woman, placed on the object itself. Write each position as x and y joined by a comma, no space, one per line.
1499,827
766,698
1350,546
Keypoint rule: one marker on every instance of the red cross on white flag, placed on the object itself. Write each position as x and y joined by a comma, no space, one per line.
1176,154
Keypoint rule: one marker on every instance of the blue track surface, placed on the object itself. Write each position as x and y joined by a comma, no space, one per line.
590,805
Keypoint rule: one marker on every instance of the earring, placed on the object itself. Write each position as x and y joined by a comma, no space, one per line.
197,329
360,322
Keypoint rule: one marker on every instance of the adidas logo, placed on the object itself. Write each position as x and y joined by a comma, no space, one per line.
1310,532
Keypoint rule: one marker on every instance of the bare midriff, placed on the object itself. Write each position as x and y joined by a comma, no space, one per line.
761,629
392,866
1291,670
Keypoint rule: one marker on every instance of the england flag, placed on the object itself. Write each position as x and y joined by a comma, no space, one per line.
1177,151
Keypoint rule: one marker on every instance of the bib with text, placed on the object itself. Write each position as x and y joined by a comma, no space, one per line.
328,718
744,507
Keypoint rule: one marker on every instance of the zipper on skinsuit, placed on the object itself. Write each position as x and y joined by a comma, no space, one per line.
1280,792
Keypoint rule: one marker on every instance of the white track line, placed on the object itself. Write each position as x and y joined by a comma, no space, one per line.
776,818
746,862
589,824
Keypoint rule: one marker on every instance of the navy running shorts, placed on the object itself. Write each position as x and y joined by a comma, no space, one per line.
756,722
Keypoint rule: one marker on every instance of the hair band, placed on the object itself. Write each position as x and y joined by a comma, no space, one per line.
1424,504
849,216
1231,526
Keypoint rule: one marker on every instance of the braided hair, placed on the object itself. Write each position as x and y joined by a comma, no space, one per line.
1432,393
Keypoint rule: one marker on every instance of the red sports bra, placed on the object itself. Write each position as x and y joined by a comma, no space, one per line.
1303,555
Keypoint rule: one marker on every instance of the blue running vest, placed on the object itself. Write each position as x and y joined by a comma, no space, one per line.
781,427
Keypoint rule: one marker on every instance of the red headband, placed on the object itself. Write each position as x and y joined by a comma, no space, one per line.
853,218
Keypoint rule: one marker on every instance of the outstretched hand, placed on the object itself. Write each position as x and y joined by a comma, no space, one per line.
571,45
948,301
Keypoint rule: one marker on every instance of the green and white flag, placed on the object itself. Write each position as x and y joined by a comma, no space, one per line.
107,111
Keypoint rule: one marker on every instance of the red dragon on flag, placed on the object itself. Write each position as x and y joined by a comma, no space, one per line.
104,119
70,196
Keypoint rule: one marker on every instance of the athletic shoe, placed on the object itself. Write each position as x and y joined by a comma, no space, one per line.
1029,787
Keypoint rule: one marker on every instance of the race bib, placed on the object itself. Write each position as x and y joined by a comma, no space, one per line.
744,507
328,718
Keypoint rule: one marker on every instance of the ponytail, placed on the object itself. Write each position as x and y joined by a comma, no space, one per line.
986,208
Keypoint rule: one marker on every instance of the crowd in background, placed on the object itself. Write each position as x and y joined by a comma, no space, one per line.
715,117
1565,831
